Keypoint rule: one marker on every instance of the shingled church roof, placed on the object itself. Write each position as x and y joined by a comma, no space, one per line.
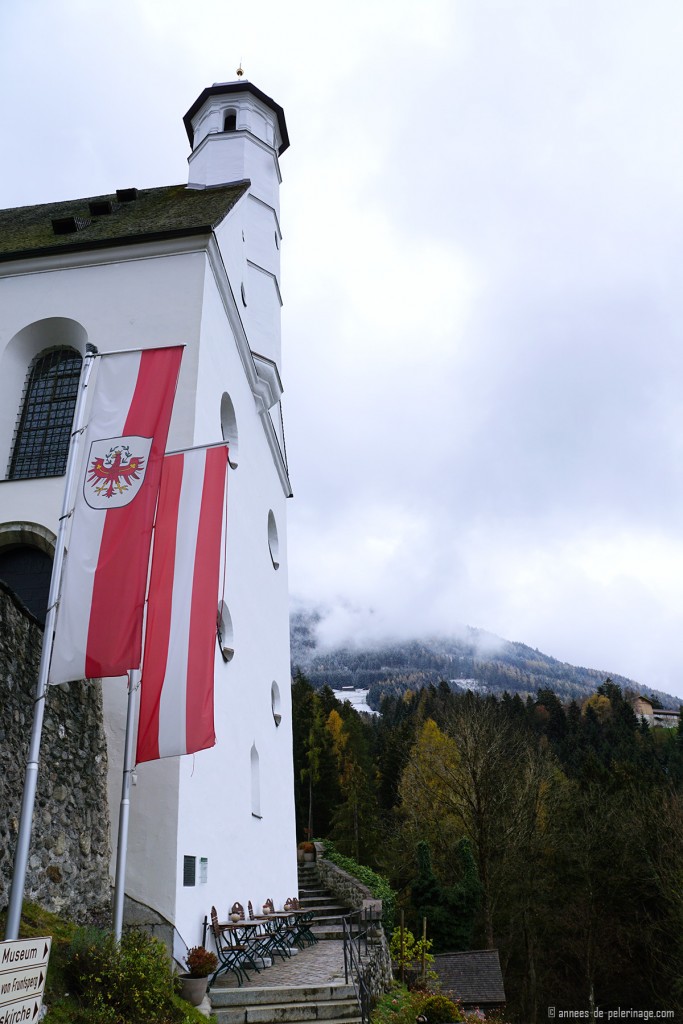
474,977
123,218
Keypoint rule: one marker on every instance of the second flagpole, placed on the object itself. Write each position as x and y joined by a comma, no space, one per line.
124,810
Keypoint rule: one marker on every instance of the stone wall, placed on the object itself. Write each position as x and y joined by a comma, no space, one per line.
345,887
377,971
68,869
376,968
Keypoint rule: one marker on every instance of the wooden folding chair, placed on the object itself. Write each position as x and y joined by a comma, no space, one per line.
276,928
231,955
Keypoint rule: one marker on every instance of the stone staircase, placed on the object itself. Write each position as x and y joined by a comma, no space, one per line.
309,987
327,911
333,1004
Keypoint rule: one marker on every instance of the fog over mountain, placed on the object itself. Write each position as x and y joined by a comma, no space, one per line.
466,658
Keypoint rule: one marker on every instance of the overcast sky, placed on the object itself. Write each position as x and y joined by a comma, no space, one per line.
482,211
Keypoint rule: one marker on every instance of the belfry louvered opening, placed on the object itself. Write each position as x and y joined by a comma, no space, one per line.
41,441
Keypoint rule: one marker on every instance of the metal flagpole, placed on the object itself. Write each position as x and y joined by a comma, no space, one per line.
124,811
31,776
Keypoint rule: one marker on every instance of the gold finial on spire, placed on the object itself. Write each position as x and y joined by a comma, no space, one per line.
239,71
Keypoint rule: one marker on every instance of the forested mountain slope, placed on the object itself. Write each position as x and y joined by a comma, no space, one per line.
470,659
550,831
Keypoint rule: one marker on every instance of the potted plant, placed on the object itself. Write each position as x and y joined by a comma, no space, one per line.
201,963
308,851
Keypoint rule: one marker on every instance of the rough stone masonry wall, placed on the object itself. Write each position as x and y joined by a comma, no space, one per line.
68,869
345,887
377,970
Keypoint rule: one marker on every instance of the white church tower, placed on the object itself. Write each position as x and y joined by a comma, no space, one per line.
195,265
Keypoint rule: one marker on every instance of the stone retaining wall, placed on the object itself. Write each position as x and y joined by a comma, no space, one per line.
377,971
68,870
345,887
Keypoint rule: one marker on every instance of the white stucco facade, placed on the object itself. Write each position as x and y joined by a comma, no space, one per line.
218,294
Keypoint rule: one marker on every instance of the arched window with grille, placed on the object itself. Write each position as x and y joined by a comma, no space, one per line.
27,570
41,443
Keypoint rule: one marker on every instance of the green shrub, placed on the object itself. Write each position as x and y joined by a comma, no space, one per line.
130,982
397,1006
89,955
441,1010
377,884
78,954
414,961
401,1006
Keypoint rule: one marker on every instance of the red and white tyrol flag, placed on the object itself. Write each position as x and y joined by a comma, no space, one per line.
176,693
99,618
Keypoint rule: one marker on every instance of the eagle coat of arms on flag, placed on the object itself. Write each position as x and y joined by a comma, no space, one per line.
115,471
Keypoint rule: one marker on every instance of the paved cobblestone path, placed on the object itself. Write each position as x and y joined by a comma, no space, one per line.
321,964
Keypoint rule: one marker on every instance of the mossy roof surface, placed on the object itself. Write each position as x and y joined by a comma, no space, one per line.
475,975
172,211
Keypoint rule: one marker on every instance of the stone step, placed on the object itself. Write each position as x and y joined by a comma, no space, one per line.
289,1013
319,897
328,931
328,900
333,1004
258,994
328,910
219,1016
328,914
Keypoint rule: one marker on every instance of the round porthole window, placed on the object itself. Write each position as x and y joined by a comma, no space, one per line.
273,541
275,703
229,428
224,632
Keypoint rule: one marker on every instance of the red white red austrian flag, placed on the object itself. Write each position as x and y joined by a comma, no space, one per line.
99,617
176,694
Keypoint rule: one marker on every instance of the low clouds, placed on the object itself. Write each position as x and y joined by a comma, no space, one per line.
541,444
482,210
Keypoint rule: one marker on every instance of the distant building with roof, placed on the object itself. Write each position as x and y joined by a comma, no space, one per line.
474,977
195,265
664,718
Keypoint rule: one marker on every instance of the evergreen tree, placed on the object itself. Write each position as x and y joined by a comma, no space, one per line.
450,910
